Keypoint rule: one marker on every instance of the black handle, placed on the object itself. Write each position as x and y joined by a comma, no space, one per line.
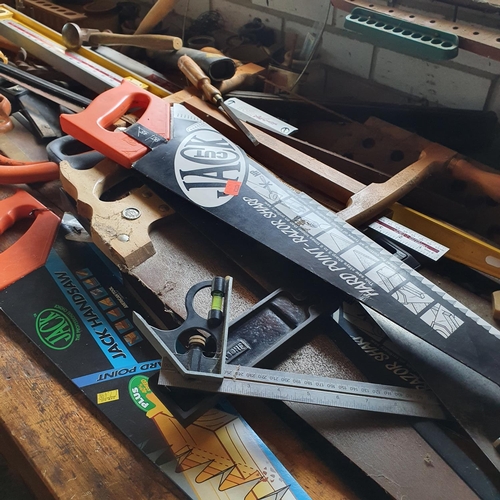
77,154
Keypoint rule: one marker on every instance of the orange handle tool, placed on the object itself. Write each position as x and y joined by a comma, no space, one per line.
31,251
17,172
92,125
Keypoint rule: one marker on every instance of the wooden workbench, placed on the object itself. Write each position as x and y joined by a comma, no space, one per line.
64,448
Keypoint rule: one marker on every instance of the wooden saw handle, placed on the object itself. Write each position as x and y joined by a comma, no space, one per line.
120,229
373,199
487,182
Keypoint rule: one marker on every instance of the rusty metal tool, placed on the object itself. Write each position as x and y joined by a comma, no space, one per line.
74,37
202,82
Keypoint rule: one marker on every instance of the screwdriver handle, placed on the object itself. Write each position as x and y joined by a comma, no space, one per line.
199,79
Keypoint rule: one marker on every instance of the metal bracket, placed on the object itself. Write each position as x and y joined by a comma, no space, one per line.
197,348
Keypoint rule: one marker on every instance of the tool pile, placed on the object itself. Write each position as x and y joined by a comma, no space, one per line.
148,173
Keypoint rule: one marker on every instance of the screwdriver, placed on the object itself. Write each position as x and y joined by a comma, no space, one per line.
202,82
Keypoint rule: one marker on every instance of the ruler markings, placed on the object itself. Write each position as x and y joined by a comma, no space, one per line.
410,238
323,391
74,58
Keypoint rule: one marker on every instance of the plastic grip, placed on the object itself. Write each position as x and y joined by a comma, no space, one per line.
91,125
31,250
32,172
61,149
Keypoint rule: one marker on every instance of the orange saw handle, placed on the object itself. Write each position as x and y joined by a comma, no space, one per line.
31,250
92,126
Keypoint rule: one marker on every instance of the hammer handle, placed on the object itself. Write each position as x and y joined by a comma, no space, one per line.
158,11
152,42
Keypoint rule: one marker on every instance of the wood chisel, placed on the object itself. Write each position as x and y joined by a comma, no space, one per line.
202,82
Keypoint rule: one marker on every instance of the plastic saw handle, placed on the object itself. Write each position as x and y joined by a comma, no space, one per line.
92,126
31,250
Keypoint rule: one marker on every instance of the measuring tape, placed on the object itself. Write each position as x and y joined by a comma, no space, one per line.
322,391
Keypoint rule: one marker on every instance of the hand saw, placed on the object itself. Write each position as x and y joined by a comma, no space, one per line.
463,247
198,164
88,188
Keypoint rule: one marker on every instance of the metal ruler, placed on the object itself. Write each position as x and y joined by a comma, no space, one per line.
86,66
411,239
251,114
323,391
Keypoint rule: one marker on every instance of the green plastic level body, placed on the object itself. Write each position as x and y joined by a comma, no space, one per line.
402,36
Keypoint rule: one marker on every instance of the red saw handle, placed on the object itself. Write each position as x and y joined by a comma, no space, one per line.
31,250
91,126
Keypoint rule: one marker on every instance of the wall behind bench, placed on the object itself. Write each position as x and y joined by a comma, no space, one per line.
468,81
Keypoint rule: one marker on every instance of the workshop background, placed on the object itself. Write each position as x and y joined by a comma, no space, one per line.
469,81
344,68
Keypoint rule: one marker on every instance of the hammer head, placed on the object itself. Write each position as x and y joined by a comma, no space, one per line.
73,36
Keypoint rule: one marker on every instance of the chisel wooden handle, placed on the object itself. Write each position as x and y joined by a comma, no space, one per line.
199,79
152,42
